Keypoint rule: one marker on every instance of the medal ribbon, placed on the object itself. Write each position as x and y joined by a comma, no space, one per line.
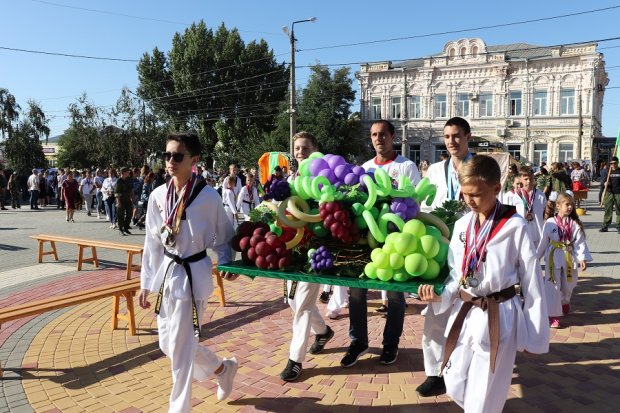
476,240
175,205
528,201
565,235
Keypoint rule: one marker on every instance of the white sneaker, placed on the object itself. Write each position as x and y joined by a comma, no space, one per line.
331,314
225,380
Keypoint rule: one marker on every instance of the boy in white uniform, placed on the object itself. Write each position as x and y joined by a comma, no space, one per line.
444,175
490,252
530,203
248,198
184,219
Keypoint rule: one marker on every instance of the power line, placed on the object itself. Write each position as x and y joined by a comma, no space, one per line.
494,26
134,16
114,59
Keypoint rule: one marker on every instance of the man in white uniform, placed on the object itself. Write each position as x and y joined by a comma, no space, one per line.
444,175
184,218
382,136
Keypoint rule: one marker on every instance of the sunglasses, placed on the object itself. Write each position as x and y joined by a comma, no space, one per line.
175,156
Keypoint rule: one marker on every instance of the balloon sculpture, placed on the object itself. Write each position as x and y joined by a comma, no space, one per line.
354,207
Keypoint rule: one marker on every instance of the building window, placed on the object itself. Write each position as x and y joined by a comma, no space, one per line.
515,103
540,102
463,52
568,102
441,106
452,53
462,108
414,153
414,107
486,104
474,51
396,107
439,150
566,152
376,108
515,151
540,153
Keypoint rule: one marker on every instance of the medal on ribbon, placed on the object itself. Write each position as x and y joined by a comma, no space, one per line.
476,240
173,211
528,203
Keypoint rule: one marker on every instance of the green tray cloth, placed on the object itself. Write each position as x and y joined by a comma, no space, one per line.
237,267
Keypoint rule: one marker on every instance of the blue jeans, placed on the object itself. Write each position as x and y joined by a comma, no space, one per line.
358,317
110,209
34,199
100,205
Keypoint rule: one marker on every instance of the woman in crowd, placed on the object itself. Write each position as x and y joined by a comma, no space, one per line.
108,196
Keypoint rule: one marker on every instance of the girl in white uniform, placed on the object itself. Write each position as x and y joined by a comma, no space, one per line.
229,198
490,252
563,245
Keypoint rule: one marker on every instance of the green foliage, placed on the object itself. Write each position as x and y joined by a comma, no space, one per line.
262,214
216,84
22,148
450,212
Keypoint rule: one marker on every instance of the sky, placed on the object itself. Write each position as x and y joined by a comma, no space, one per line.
127,29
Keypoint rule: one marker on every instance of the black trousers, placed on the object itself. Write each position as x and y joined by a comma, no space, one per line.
123,216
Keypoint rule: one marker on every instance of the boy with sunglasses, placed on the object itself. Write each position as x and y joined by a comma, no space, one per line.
183,219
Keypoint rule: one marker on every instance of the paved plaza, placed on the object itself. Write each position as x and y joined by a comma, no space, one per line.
70,360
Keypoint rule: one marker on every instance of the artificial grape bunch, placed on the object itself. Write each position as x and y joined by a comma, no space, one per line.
321,259
261,247
279,190
337,220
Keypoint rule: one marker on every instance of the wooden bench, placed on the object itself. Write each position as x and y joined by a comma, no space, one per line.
125,289
130,249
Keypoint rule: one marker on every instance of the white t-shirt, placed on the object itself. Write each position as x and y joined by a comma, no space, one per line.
396,168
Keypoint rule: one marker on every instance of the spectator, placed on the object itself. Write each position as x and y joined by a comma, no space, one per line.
603,171
276,176
543,181
69,191
108,196
612,196
88,189
3,185
123,191
14,190
579,178
33,187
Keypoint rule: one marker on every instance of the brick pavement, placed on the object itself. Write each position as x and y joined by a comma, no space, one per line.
70,360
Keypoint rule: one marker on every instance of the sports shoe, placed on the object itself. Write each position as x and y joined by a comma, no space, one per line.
225,379
432,386
554,322
291,372
565,309
324,297
320,340
332,314
382,309
354,352
604,229
127,232
389,354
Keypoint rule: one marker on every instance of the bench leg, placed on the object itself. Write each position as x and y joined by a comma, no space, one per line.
80,257
82,260
131,315
220,286
93,251
50,252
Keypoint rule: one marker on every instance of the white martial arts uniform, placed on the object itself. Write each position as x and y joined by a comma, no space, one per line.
559,292
396,168
205,227
229,199
245,203
535,226
433,337
524,326
338,300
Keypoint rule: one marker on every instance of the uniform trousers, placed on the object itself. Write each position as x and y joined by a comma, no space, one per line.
559,292
339,298
470,382
434,340
306,318
189,360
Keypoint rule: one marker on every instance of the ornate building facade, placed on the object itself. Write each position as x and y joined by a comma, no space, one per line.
541,104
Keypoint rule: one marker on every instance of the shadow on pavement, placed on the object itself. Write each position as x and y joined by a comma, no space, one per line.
311,404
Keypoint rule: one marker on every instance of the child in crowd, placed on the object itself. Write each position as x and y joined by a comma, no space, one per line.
564,247
229,198
490,252
530,203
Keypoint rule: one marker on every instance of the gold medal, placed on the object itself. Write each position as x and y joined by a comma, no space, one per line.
167,236
529,216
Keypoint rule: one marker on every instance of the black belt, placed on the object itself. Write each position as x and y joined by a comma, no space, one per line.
290,295
188,270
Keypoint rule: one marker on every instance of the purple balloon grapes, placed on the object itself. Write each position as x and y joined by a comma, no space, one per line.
322,259
406,208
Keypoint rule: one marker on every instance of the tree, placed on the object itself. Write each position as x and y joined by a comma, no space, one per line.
9,112
324,109
214,78
23,148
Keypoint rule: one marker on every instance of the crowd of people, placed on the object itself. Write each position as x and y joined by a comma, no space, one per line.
496,301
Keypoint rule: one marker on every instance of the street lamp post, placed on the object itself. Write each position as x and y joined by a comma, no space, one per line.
292,101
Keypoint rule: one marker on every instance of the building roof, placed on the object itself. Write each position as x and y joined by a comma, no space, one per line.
512,50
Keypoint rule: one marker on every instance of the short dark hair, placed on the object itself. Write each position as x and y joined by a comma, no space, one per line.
459,123
526,170
614,159
306,135
277,168
189,139
386,123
